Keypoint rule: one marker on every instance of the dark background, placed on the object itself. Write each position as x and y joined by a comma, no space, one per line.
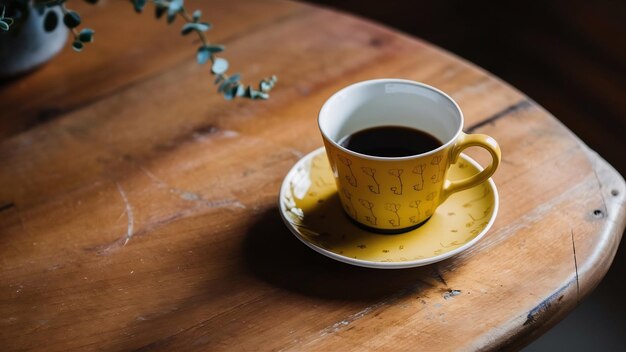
570,57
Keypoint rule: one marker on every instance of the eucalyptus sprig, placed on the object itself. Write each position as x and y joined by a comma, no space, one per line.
71,19
229,85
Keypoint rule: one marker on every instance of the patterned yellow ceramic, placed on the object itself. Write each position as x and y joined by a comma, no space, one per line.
394,194
310,207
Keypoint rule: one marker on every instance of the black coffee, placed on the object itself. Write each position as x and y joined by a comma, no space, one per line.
390,141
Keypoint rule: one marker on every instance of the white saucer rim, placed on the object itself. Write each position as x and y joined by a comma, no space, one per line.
372,264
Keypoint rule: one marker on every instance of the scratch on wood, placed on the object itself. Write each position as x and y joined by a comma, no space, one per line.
201,133
153,224
523,104
575,266
207,131
298,154
129,214
164,221
191,196
195,197
160,183
7,206
185,195
351,318
130,232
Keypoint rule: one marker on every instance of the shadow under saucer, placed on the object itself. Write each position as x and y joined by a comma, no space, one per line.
310,207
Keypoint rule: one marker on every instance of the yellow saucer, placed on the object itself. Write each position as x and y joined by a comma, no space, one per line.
310,208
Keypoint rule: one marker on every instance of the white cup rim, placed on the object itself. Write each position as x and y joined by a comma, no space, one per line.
324,111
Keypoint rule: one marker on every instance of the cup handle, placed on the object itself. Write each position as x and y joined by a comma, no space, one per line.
472,140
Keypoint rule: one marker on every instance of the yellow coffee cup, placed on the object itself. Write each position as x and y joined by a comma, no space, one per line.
393,194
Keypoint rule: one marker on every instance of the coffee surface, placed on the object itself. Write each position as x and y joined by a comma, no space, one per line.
390,141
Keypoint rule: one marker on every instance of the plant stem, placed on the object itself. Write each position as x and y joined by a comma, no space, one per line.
189,19
65,12
185,14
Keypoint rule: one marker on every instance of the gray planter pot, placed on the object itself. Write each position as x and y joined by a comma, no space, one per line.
30,46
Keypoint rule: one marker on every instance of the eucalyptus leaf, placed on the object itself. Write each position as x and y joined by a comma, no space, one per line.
159,11
267,84
170,17
174,7
139,5
196,15
51,21
71,19
222,87
255,94
203,55
219,66
230,93
189,27
262,95
86,35
234,78
78,45
213,48
241,91
248,92
236,90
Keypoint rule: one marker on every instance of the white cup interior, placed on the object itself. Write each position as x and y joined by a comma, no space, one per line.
390,102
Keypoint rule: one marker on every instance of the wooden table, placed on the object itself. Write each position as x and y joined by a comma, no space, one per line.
138,210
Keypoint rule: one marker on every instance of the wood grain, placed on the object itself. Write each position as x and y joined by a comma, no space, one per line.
143,214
